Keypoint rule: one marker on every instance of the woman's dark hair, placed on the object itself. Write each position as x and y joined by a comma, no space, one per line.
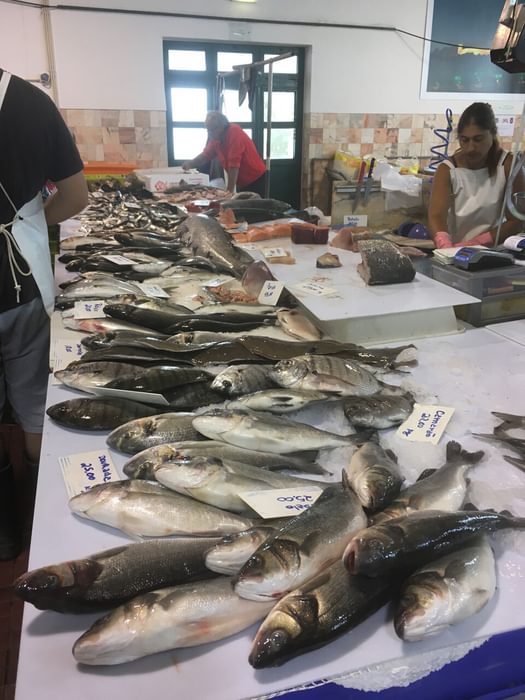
482,115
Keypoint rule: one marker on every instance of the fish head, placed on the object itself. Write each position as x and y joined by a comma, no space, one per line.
423,608
228,556
226,381
287,373
270,572
216,422
369,547
191,474
129,437
274,639
376,487
96,495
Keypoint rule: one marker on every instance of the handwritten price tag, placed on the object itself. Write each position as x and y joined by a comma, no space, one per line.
89,309
278,503
62,352
87,469
218,281
119,259
270,292
152,290
426,423
275,252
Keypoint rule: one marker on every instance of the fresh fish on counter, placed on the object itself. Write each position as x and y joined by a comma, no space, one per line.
141,508
86,376
404,544
102,325
232,551
500,432
192,396
297,325
78,242
105,339
109,578
374,475
383,263
316,613
222,483
145,463
333,375
140,434
302,548
446,591
265,432
445,489
239,380
170,618
207,238
279,400
157,379
98,413
378,411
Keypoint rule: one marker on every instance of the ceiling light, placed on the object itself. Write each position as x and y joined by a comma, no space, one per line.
244,0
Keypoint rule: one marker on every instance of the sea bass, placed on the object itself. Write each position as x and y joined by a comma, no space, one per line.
169,618
109,578
445,592
278,400
140,434
98,414
265,432
303,547
150,510
403,544
374,475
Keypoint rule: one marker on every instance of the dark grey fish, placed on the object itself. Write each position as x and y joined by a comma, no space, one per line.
98,414
159,378
109,578
378,411
239,380
85,376
137,435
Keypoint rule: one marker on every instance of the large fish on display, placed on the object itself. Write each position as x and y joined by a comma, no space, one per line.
98,413
137,435
378,411
109,578
374,475
169,618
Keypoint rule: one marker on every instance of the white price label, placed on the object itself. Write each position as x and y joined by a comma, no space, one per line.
270,292
119,259
87,469
140,396
355,220
314,288
152,290
275,252
62,352
277,503
426,423
89,309
247,246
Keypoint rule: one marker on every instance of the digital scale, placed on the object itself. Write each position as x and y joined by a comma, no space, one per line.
473,259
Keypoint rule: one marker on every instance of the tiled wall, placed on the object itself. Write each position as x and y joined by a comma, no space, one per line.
135,137
138,137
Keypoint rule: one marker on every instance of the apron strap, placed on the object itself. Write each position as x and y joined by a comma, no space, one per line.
4,82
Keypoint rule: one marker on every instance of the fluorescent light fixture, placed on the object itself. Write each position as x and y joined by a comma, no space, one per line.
243,0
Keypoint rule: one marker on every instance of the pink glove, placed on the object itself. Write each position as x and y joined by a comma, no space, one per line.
442,240
480,239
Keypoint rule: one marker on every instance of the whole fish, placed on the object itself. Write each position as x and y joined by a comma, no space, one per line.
374,475
278,400
317,612
153,512
444,489
155,319
378,411
207,238
403,544
145,463
157,379
88,375
137,435
222,483
265,432
445,592
329,374
169,618
500,432
297,325
105,339
236,381
228,556
102,325
303,547
98,413
109,578
76,242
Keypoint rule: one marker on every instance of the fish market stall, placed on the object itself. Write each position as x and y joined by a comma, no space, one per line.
454,370
345,308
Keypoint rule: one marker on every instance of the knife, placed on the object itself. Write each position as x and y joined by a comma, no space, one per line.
369,182
358,188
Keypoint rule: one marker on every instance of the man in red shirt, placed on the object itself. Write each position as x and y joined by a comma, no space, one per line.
245,169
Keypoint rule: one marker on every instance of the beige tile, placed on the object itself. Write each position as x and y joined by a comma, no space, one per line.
353,148
418,121
75,117
417,135
376,121
356,121
126,135
141,117
379,135
158,118
143,135
109,117
367,135
328,150
316,136
157,135
110,135
405,121
392,121
126,117
99,152
404,135
366,148
87,134
316,120
93,117
392,135
342,120
329,119
329,134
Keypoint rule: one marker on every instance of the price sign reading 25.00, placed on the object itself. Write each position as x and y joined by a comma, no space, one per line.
278,503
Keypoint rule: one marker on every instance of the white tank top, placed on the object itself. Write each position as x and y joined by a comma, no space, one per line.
476,200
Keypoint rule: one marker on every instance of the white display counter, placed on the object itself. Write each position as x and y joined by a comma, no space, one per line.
355,312
513,330
467,371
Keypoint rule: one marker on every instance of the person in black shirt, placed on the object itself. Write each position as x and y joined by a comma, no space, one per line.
35,148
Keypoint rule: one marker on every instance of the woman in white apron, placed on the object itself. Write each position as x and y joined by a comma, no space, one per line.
468,189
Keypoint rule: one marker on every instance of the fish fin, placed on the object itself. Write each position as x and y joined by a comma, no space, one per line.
453,450
425,473
364,435
509,417
520,463
456,452
310,542
391,454
469,506
486,436
309,606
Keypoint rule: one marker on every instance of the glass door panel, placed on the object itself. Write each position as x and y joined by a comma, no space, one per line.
186,60
188,142
283,106
282,143
231,107
189,104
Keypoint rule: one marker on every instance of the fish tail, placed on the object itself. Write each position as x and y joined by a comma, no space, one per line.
509,418
520,463
455,452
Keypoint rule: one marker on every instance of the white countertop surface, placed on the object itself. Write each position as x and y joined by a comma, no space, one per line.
514,330
468,371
